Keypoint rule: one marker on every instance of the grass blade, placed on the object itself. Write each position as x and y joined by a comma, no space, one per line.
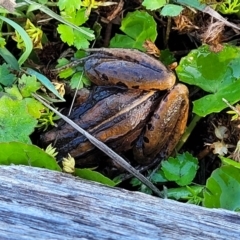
25,37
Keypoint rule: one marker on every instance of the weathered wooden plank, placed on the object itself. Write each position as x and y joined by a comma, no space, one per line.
40,204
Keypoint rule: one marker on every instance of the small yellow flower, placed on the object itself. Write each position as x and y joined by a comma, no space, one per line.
33,32
89,4
68,164
51,151
60,87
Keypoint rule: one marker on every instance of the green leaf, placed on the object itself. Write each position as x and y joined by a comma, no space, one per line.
76,81
62,4
28,85
192,3
9,58
158,177
183,193
139,26
181,169
2,42
88,30
27,41
43,1
153,4
123,41
66,34
143,188
97,28
6,78
24,154
34,107
80,41
16,124
79,80
74,37
229,7
171,10
93,176
80,54
66,73
81,17
14,92
228,161
223,189
135,182
69,15
167,57
214,103
62,62
217,73
68,4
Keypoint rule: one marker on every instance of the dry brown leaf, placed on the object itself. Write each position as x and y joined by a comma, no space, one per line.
183,24
151,48
213,35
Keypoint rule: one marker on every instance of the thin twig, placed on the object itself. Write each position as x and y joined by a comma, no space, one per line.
72,64
168,30
75,94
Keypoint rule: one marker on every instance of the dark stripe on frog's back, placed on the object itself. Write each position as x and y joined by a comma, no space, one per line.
91,112
97,94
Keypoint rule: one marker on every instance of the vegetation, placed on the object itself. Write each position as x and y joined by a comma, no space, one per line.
39,36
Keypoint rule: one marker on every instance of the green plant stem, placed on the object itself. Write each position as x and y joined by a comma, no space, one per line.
51,4
7,34
188,131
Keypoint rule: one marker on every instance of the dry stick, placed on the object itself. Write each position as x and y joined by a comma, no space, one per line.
168,30
75,94
216,15
107,34
103,147
206,9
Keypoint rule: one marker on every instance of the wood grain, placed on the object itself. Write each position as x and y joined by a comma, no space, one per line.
41,204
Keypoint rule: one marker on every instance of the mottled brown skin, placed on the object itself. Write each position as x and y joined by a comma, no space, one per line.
135,116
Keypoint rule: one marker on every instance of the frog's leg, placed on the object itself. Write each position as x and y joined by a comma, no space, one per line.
165,127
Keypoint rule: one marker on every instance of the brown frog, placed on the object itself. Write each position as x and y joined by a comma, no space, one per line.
136,107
